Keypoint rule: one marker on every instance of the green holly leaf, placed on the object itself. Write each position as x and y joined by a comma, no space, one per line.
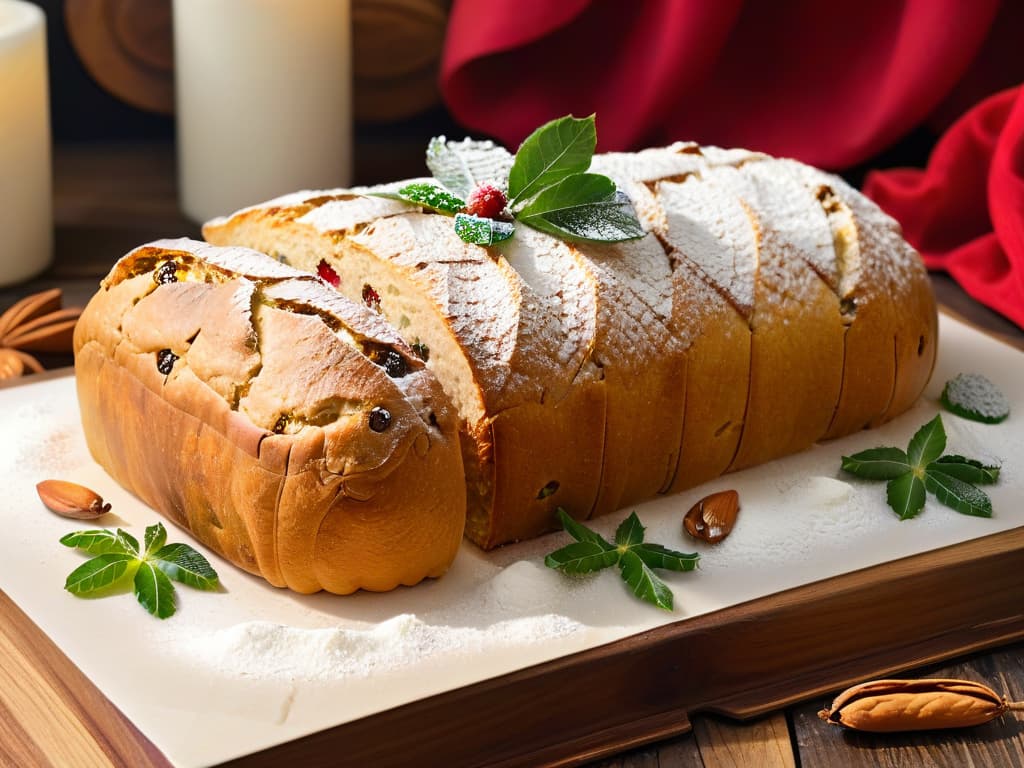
585,206
433,197
100,572
579,531
877,463
156,537
968,470
629,532
927,444
905,495
581,557
462,166
481,231
974,397
154,590
557,149
182,563
955,493
643,581
657,556
97,542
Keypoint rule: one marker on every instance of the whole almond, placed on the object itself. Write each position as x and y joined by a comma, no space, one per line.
884,706
712,518
71,499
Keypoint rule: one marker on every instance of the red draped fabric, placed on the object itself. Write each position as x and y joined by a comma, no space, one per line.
830,85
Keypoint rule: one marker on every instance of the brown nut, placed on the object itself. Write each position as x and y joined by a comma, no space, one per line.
884,706
712,518
71,499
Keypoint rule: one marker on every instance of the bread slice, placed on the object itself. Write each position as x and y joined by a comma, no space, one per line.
593,376
288,429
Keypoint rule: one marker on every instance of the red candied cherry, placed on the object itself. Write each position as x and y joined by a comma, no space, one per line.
327,273
486,201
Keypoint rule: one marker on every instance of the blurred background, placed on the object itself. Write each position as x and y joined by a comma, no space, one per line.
353,90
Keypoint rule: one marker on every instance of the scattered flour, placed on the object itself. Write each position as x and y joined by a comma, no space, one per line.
265,650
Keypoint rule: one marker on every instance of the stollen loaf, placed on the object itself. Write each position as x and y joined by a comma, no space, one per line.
289,429
769,306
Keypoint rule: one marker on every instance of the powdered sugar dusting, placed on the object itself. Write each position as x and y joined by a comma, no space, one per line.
265,650
708,226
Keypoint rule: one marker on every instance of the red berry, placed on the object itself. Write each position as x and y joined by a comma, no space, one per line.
486,201
370,297
326,271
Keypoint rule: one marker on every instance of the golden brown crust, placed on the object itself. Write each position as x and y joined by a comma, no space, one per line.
238,399
781,308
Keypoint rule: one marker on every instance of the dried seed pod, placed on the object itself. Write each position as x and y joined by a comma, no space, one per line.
916,705
71,500
712,518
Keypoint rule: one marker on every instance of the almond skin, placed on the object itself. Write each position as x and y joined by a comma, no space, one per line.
71,499
885,706
712,518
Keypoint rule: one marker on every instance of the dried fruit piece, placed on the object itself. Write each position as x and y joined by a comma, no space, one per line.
884,706
422,351
974,397
167,273
380,419
712,518
165,360
327,273
71,499
389,359
370,297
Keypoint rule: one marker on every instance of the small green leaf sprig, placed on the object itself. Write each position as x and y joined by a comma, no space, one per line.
118,558
922,467
636,559
545,186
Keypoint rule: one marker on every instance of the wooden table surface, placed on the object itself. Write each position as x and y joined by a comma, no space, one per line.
109,199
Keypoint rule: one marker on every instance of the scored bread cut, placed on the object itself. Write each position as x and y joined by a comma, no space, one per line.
288,429
769,306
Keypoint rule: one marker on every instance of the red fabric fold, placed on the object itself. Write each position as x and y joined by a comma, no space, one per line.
965,211
798,79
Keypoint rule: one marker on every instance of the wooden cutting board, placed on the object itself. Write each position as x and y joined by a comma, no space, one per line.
740,659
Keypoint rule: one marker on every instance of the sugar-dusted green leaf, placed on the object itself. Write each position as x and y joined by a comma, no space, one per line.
97,542
581,557
481,231
557,149
877,463
927,444
642,580
657,556
905,495
154,590
182,563
955,493
433,197
586,206
968,470
580,532
462,166
974,397
156,537
128,541
629,532
100,572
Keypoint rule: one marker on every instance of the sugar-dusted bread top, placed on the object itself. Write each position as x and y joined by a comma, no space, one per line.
769,306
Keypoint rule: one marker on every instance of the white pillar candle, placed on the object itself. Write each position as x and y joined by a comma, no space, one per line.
26,205
263,91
